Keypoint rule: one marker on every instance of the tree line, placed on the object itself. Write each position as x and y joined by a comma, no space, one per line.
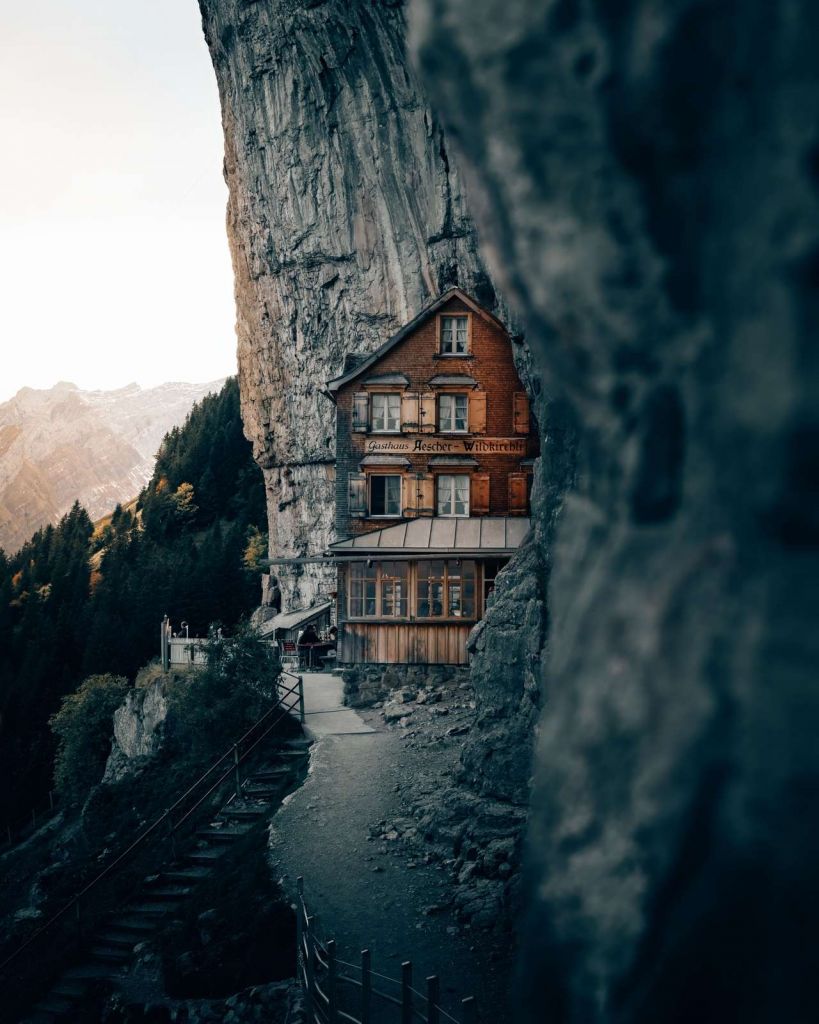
77,601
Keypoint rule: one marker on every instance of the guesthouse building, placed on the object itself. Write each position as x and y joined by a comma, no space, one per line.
435,449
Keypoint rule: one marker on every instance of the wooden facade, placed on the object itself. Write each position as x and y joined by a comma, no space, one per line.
435,426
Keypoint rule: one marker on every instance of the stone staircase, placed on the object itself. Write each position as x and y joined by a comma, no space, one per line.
112,944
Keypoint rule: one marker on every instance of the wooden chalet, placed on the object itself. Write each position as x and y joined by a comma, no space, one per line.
435,448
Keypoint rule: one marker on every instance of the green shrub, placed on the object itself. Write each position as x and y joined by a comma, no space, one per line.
83,727
211,708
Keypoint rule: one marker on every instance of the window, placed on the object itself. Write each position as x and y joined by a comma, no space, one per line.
378,591
430,590
386,418
385,495
394,591
453,495
452,413
363,589
446,589
454,335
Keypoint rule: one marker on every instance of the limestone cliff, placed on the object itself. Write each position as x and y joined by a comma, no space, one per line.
346,216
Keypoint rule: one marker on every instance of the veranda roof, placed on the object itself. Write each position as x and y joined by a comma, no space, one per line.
482,536
296,618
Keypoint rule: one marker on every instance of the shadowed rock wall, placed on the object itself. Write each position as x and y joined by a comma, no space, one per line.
645,180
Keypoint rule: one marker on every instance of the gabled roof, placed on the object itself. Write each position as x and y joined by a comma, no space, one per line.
453,537
453,293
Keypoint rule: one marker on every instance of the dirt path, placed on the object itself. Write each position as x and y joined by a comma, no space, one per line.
364,896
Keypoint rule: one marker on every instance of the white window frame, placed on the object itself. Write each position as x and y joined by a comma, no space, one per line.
453,340
383,515
386,395
448,481
451,399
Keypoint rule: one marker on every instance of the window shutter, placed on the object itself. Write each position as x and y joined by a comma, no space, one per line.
477,412
409,493
357,495
425,488
480,494
520,412
361,412
429,422
409,412
518,494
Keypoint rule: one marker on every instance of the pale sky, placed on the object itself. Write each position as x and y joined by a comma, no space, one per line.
114,264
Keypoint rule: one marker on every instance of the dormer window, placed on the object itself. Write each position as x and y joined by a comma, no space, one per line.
454,335
386,414
452,414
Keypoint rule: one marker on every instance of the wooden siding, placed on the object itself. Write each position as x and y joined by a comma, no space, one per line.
405,643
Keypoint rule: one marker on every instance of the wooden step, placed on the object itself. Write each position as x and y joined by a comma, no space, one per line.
261,791
247,813
133,922
168,892
111,954
117,937
54,1005
154,909
192,874
207,855
273,774
91,972
70,989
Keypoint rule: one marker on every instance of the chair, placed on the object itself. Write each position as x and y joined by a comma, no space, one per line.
289,653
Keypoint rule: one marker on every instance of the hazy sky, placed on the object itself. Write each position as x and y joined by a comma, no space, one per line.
114,264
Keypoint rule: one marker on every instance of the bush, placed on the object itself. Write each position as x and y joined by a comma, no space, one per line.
83,727
211,708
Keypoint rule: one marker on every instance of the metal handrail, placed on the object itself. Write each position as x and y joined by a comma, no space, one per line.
322,999
166,816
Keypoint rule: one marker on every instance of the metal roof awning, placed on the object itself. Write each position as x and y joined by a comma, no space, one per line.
294,619
474,537
385,460
459,379
397,379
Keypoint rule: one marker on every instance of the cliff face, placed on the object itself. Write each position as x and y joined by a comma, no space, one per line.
346,216
645,178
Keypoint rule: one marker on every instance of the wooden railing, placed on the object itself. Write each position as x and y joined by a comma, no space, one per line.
337,991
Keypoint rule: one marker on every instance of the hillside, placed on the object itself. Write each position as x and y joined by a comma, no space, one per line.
75,601
64,444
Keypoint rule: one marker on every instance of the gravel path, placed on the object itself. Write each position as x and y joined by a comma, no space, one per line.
364,892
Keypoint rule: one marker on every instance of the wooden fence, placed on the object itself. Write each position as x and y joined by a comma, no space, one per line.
337,991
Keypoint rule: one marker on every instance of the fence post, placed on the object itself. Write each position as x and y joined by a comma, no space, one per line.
236,769
311,970
406,992
301,700
366,986
470,1010
433,994
300,931
332,994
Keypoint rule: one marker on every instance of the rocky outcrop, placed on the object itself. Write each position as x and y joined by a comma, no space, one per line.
346,216
64,444
138,729
645,178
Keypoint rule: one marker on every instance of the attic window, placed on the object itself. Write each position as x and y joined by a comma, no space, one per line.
454,336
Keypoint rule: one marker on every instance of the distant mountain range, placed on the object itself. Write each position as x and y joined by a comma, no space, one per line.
63,444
